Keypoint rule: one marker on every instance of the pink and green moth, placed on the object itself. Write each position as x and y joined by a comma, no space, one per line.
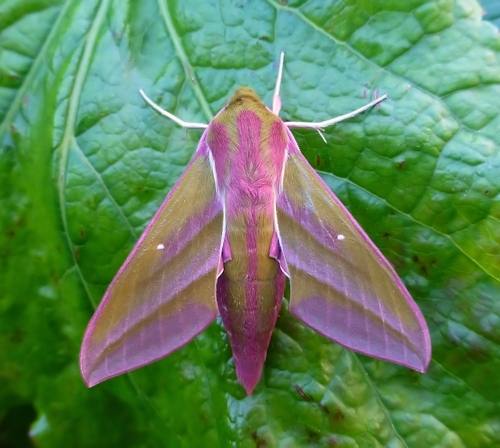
247,213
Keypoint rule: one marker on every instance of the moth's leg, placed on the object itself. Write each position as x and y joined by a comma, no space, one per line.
180,122
323,124
276,97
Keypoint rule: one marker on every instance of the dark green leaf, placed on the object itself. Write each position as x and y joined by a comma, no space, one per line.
84,164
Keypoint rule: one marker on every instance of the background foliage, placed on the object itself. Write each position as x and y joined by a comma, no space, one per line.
84,163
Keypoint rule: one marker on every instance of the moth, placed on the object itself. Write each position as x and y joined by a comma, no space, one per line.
248,213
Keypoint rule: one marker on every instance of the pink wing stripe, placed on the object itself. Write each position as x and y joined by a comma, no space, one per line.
147,343
355,331
176,276
341,284
300,253
164,293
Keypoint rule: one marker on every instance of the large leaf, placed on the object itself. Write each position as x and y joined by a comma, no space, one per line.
84,163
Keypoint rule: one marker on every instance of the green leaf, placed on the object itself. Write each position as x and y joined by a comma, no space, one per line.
84,164
491,11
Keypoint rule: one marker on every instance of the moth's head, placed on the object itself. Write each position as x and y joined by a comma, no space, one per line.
245,98
244,101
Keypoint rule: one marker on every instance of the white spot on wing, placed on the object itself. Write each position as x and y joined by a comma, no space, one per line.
160,247
341,237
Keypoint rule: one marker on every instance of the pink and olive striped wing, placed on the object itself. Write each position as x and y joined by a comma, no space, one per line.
164,294
341,285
